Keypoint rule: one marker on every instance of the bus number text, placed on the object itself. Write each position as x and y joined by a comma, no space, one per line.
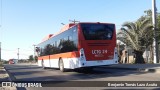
99,51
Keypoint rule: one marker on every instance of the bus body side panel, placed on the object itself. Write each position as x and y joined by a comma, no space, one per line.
69,63
72,63
70,60
74,60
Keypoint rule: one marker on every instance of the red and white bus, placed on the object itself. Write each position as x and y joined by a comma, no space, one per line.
79,45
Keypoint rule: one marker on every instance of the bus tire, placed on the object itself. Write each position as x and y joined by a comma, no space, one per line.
61,66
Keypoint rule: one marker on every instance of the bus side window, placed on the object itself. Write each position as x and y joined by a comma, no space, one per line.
66,38
53,45
70,38
75,37
61,40
41,52
56,44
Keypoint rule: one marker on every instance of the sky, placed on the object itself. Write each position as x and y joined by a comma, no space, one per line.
25,23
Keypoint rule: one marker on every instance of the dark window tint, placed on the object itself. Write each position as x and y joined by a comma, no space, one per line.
61,43
98,31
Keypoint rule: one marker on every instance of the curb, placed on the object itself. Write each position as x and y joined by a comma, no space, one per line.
150,70
136,69
11,78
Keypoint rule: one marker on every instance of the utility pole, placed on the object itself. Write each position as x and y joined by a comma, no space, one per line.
18,54
74,21
1,27
0,51
154,21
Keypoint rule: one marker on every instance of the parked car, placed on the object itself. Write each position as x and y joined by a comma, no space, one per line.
11,61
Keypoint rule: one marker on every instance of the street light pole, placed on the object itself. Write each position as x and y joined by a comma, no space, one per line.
18,54
154,21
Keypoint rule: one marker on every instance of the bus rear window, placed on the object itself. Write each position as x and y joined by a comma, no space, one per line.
97,31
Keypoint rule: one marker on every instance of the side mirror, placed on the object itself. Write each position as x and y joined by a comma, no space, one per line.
37,49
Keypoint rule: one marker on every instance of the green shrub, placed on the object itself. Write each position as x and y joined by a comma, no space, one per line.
5,62
133,62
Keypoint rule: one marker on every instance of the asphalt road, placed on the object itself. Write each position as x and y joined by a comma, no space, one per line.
36,73
23,72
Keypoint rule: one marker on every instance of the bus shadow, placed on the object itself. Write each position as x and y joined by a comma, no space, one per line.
70,75
94,71
54,74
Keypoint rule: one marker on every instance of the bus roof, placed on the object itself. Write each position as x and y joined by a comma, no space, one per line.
66,27
47,37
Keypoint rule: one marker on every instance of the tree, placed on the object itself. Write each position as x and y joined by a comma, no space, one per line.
31,58
36,58
137,35
149,15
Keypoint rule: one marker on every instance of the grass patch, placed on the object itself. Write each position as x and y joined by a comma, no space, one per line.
1,67
1,64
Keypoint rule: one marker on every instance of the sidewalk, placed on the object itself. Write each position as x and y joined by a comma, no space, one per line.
155,68
4,77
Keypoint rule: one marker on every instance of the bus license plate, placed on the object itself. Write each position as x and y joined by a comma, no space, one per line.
100,61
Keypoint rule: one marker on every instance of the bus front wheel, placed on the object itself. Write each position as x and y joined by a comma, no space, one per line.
61,65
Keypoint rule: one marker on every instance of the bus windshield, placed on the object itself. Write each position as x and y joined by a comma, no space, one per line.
98,31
